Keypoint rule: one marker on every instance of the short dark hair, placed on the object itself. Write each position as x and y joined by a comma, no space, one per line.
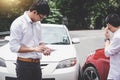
41,6
113,19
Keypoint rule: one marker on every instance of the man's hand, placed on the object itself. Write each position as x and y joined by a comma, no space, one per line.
107,34
107,40
43,49
40,48
47,51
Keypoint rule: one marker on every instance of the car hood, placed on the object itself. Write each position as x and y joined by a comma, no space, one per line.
61,52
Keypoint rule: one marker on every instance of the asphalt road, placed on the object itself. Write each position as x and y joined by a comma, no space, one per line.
90,40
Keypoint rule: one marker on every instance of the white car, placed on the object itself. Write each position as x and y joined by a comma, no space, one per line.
62,64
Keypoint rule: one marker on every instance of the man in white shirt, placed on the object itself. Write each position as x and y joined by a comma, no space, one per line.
112,47
25,40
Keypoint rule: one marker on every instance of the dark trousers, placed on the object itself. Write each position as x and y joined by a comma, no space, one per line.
28,71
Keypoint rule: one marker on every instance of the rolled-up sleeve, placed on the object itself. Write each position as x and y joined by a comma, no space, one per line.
114,47
15,36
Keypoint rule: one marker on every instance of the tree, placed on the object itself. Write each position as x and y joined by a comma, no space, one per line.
10,9
55,15
83,13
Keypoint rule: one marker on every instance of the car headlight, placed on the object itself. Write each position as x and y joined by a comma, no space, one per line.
2,63
66,63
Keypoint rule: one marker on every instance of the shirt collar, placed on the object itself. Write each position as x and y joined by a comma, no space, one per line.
27,17
117,31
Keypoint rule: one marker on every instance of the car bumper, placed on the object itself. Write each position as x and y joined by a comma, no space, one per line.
70,73
5,74
67,75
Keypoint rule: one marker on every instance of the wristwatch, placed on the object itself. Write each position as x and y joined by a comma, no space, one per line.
107,39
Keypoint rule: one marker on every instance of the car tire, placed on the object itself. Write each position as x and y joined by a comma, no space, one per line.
90,73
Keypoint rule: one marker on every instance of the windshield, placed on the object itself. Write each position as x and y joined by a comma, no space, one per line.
55,35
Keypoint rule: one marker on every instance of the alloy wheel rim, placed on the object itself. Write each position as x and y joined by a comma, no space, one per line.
90,75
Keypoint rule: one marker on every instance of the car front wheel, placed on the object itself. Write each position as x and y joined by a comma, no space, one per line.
90,73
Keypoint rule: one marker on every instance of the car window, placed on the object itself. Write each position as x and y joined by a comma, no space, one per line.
55,35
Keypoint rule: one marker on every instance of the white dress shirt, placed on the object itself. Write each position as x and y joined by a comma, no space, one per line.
24,32
113,51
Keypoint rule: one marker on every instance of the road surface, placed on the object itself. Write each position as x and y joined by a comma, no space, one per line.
90,40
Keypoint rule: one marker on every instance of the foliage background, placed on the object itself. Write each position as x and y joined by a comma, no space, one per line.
76,14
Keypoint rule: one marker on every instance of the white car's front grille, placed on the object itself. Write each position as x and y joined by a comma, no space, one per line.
10,78
43,65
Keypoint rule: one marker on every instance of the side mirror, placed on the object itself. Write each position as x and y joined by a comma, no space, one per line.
7,38
75,40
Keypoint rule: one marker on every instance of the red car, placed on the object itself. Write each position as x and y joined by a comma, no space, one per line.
96,66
